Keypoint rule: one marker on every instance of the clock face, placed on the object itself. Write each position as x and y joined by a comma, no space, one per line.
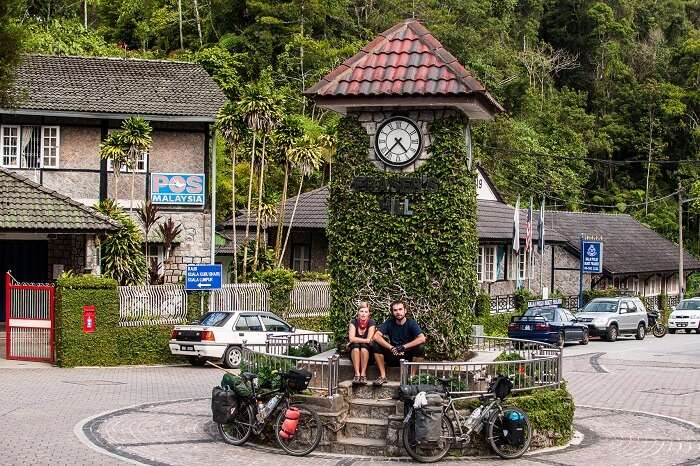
398,141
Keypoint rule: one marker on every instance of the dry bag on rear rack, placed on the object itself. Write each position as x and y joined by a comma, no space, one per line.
428,421
514,427
237,384
224,404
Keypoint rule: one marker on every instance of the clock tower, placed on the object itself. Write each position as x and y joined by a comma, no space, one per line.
402,205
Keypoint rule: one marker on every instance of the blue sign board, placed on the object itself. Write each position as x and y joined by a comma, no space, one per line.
203,277
177,188
592,256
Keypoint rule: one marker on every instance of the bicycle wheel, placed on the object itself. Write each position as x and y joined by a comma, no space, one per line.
239,429
500,438
428,453
307,435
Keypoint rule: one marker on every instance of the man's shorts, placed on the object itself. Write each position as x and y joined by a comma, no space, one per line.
391,360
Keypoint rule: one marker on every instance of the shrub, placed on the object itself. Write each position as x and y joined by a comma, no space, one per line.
483,304
313,277
522,296
280,283
496,325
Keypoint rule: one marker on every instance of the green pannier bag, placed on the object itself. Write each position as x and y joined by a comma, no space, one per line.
237,384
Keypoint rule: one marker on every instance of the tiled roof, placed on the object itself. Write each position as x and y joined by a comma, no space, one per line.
628,245
26,206
117,86
494,221
406,60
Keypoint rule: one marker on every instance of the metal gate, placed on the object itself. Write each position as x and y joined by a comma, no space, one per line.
29,310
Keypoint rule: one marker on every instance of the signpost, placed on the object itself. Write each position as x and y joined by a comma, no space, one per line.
591,261
201,277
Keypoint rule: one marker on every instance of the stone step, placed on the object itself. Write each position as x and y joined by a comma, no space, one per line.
360,446
373,409
388,390
363,427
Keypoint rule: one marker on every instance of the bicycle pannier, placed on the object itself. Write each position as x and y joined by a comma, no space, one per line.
428,427
224,404
514,427
237,384
298,379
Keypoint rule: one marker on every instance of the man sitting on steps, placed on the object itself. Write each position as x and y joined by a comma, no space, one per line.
405,341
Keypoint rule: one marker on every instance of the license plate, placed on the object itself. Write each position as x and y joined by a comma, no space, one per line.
186,348
526,327
682,325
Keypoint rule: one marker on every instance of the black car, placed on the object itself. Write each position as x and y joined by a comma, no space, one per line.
545,321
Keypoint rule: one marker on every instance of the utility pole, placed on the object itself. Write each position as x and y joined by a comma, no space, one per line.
179,12
680,242
85,6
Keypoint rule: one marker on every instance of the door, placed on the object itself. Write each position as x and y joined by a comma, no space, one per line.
249,328
573,331
28,261
627,309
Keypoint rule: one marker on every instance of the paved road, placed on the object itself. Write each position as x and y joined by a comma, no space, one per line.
40,407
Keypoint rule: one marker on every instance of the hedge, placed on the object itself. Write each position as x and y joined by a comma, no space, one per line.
109,345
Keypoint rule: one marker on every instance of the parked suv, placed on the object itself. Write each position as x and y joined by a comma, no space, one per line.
612,317
685,317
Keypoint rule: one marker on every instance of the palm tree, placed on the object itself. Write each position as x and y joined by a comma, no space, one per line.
305,156
256,106
232,128
113,148
136,133
149,216
289,130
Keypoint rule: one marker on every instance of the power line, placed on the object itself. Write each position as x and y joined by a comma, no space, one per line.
588,159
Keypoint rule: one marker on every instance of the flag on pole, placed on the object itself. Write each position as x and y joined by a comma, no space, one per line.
516,227
528,229
540,229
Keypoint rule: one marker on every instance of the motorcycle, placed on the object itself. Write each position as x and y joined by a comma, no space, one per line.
655,326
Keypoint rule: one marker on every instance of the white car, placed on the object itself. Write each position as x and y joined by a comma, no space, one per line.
220,335
686,316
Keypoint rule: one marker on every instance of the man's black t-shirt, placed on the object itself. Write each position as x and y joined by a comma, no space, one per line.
400,334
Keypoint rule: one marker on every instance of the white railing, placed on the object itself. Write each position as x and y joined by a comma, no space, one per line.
240,297
152,305
310,299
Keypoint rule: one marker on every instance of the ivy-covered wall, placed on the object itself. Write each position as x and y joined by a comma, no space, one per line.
427,258
109,345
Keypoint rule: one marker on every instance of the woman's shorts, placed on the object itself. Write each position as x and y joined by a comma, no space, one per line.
360,346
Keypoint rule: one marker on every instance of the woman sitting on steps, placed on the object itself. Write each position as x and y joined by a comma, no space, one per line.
360,333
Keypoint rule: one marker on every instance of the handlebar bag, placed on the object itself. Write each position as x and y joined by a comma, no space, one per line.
514,427
224,404
428,425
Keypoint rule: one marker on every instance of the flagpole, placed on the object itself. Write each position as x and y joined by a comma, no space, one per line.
541,235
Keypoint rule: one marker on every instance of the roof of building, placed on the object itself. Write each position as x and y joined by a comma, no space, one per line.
26,206
628,245
115,88
633,248
405,60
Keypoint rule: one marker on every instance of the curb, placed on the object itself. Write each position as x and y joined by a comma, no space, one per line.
675,420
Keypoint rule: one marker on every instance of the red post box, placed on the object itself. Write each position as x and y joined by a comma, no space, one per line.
88,319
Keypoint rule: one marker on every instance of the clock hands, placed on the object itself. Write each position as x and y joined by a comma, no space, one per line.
398,141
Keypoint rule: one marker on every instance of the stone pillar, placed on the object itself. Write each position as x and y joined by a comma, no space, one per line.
92,256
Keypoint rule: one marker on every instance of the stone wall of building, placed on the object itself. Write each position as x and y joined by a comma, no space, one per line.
193,246
66,252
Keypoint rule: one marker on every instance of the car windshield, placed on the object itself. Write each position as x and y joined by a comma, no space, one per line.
689,305
601,306
215,319
548,314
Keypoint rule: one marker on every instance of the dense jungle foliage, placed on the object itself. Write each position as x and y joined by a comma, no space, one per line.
594,90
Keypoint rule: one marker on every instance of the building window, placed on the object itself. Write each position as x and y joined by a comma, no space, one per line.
301,257
49,146
518,269
10,146
141,164
486,266
30,146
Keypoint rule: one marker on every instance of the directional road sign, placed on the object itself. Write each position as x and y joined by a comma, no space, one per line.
202,277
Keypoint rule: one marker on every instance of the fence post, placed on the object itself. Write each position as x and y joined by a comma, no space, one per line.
330,376
402,372
560,369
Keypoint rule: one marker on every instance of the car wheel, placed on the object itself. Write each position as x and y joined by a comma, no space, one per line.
584,340
560,340
688,331
197,361
611,333
233,357
641,332
672,330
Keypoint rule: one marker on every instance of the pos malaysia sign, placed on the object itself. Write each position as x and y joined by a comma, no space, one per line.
177,188
592,256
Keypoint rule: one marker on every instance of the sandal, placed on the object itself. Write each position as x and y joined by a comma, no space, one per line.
356,380
363,380
380,381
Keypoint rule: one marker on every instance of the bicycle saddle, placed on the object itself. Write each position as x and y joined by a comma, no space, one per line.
248,376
